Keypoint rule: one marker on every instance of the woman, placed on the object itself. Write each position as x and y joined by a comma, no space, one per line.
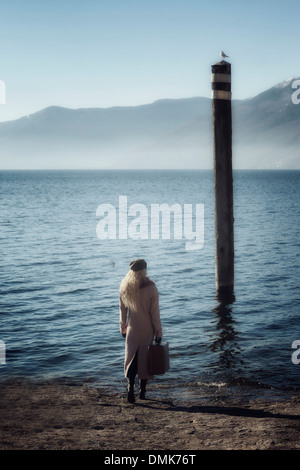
139,322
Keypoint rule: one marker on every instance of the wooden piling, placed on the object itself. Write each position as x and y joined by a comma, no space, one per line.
223,182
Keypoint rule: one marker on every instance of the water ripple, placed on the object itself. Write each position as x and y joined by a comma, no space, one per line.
59,288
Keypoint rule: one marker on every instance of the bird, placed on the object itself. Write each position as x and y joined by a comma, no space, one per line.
223,55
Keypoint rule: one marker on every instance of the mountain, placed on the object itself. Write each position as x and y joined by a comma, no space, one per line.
164,134
267,129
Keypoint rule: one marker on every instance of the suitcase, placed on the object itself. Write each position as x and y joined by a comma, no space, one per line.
158,358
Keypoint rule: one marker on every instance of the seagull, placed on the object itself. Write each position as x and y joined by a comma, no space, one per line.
223,55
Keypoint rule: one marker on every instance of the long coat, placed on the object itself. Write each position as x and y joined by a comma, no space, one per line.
140,326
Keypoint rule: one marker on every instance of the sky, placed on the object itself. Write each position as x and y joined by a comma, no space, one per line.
103,53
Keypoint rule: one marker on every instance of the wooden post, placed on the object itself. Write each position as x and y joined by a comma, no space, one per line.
223,184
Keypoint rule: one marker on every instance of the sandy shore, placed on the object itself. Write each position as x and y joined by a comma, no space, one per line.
54,415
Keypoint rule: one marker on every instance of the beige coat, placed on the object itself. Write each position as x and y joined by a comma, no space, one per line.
141,326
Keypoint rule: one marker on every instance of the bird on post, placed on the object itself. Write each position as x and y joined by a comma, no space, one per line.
223,55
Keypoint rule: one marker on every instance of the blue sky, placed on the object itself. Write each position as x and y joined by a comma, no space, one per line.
101,53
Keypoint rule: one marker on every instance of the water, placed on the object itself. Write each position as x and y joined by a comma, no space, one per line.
59,282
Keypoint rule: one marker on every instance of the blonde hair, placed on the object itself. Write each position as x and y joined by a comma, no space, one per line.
129,288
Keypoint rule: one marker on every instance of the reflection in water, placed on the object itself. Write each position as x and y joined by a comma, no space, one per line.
224,342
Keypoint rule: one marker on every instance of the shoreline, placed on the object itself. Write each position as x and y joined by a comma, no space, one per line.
71,415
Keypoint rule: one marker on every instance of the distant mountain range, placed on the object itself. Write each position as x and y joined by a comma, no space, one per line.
171,134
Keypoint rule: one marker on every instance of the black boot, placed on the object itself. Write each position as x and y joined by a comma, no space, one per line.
143,384
130,390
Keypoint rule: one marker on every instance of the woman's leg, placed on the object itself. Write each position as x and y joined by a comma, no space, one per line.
143,383
132,371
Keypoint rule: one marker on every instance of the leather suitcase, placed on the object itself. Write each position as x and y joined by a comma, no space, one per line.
158,358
